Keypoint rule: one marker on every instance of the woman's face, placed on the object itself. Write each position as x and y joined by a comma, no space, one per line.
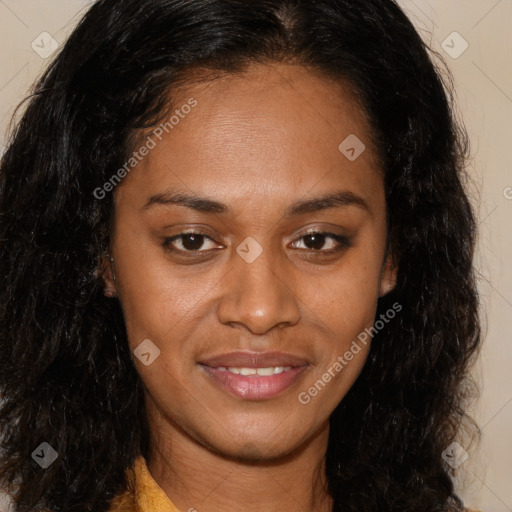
250,311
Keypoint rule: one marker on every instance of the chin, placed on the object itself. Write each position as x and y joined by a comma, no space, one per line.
255,450
254,445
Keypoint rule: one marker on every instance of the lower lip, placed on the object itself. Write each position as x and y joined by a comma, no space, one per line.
254,387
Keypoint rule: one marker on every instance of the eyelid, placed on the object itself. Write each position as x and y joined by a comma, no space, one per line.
342,241
168,242
313,230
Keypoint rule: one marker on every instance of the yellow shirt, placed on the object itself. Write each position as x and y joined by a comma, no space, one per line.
144,494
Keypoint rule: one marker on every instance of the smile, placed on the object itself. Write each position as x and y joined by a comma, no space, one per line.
255,385
263,372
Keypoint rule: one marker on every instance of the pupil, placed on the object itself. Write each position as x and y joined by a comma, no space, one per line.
197,241
318,241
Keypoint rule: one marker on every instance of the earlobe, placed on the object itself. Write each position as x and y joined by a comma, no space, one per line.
108,276
388,276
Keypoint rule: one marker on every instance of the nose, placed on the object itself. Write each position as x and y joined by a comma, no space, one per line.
257,296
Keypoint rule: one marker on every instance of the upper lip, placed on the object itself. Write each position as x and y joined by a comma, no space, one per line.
254,360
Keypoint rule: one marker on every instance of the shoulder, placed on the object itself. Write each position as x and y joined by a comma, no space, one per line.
125,501
142,493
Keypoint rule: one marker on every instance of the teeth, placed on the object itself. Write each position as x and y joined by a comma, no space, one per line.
264,372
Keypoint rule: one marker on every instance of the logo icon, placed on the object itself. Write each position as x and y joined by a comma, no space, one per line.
455,455
249,249
454,45
352,147
44,455
147,352
44,45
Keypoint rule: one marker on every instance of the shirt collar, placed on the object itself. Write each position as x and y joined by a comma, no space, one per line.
143,494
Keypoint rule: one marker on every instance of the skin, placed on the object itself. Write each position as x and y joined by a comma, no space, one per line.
257,142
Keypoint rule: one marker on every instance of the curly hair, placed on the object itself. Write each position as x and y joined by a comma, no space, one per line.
66,373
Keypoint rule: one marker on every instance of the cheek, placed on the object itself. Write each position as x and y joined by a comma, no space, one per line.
160,306
157,297
346,297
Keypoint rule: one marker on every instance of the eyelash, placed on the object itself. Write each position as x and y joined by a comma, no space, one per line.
343,243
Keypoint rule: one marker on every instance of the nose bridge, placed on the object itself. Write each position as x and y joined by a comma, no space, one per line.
257,294
259,268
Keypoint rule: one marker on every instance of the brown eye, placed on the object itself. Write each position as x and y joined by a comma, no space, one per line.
187,242
316,242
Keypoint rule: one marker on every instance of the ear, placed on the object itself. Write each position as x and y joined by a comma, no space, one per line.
388,276
106,271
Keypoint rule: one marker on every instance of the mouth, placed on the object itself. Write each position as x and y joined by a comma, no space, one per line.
254,375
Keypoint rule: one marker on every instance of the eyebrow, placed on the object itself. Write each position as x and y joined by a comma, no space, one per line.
209,206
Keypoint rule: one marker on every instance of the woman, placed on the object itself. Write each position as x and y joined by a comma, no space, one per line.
237,256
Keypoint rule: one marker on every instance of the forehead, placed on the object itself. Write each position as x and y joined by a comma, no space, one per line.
274,127
291,103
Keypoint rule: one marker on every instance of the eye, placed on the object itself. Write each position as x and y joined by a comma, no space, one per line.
190,242
315,241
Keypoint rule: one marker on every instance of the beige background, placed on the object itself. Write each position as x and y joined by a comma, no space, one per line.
483,79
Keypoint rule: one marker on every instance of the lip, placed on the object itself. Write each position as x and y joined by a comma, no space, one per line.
254,360
254,387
